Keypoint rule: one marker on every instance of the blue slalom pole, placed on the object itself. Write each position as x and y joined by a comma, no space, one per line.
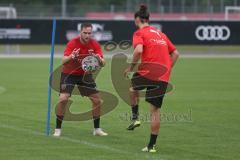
50,78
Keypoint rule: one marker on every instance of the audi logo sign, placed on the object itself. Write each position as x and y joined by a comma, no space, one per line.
212,33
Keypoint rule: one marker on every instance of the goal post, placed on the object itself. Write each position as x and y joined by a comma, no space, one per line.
230,8
9,13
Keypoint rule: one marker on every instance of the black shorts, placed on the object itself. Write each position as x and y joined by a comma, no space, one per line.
85,84
155,90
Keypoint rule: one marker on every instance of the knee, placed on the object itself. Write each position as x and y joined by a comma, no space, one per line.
97,101
155,116
63,98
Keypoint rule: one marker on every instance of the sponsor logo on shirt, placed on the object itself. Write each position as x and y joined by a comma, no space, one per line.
90,51
158,41
156,32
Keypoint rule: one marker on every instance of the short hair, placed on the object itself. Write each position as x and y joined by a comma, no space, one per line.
142,13
85,25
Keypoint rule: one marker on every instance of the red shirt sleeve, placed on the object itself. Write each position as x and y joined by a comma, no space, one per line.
171,46
137,39
98,49
69,48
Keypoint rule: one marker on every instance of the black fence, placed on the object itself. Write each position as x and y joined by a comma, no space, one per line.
28,31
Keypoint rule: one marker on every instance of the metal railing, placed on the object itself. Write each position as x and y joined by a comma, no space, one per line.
155,6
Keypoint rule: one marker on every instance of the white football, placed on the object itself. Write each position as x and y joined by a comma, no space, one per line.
90,64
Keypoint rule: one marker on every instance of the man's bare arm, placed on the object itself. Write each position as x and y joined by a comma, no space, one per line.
136,55
174,56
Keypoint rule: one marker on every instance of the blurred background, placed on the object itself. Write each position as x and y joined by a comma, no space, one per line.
22,23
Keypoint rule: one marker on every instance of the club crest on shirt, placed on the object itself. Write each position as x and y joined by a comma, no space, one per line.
90,51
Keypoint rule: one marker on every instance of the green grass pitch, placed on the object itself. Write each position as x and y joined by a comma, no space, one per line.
206,90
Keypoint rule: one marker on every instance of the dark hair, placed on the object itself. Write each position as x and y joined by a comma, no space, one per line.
143,13
85,25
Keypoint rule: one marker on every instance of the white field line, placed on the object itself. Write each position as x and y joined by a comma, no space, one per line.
2,89
65,139
98,146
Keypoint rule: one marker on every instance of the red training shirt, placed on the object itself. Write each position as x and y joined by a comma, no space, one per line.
74,67
155,59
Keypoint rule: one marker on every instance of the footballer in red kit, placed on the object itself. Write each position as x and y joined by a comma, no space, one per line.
73,67
73,75
157,56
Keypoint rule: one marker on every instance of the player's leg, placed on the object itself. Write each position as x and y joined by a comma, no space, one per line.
60,110
155,126
136,85
87,87
96,112
155,96
134,101
66,88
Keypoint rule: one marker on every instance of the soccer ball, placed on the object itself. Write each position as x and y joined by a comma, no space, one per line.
90,64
